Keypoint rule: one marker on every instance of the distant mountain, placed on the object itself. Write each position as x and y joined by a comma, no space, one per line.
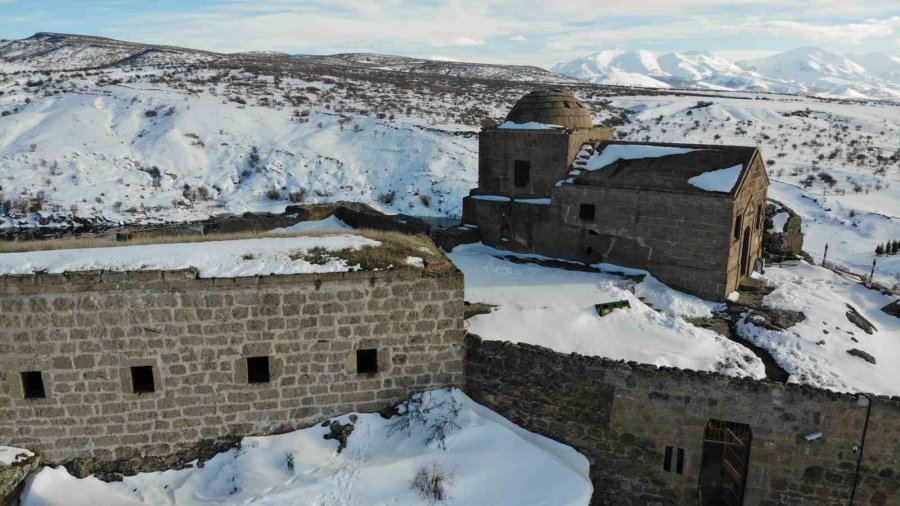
806,70
57,52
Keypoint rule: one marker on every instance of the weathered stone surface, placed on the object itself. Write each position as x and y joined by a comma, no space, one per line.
775,319
196,334
12,479
622,416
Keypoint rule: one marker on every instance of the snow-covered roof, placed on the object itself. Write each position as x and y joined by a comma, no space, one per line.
233,258
685,168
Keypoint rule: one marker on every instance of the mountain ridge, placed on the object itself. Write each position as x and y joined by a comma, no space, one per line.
804,70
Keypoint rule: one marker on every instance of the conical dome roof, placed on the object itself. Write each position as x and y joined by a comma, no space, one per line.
552,107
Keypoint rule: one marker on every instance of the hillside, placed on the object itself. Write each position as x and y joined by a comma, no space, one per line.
806,70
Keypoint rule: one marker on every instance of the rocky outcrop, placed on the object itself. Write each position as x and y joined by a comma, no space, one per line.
861,354
783,235
12,479
893,308
860,320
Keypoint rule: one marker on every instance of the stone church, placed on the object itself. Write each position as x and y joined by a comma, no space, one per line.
552,183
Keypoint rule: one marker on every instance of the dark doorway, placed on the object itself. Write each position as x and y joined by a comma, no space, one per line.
745,253
724,463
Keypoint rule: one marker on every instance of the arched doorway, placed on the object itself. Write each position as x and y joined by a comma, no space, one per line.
745,253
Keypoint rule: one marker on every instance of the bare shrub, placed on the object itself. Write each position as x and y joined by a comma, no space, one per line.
273,194
437,417
297,195
387,198
426,200
433,483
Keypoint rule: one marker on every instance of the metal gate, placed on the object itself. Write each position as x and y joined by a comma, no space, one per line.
734,441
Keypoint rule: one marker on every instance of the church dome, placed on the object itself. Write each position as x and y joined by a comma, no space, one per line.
552,107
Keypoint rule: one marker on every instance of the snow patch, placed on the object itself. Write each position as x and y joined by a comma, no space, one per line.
531,125
329,224
213,259
616,152
10,455
779,221
534,202
722,180
491,198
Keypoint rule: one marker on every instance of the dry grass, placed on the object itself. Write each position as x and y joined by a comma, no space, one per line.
395,247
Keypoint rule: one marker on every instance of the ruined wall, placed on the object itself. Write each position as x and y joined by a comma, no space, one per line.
550,152
83,331
623,416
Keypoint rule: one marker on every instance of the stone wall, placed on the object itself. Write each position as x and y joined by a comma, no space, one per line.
622,416
550,153
750,209
682,239
84,331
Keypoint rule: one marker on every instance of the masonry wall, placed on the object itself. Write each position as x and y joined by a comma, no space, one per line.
622,416
682,239
83,331
550,153
750,207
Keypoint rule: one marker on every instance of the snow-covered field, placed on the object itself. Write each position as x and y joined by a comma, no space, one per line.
489,461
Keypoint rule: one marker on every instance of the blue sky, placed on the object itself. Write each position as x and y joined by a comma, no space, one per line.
503,31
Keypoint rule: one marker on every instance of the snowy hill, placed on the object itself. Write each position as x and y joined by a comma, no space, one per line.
804,70
55,51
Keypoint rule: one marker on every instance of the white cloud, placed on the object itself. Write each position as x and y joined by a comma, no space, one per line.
461,42
852,33
517,38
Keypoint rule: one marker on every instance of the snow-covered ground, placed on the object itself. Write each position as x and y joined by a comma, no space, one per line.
212,259
491,461
814,351
555,308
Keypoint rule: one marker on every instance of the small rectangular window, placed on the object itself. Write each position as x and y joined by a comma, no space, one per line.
522,174
678,454
33,385
367,361
142,379
738,222
258,370
759,217
587,212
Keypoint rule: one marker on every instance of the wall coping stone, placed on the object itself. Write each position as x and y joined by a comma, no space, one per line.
473,340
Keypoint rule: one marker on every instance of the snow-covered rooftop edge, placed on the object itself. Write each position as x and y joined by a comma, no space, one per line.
228,258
